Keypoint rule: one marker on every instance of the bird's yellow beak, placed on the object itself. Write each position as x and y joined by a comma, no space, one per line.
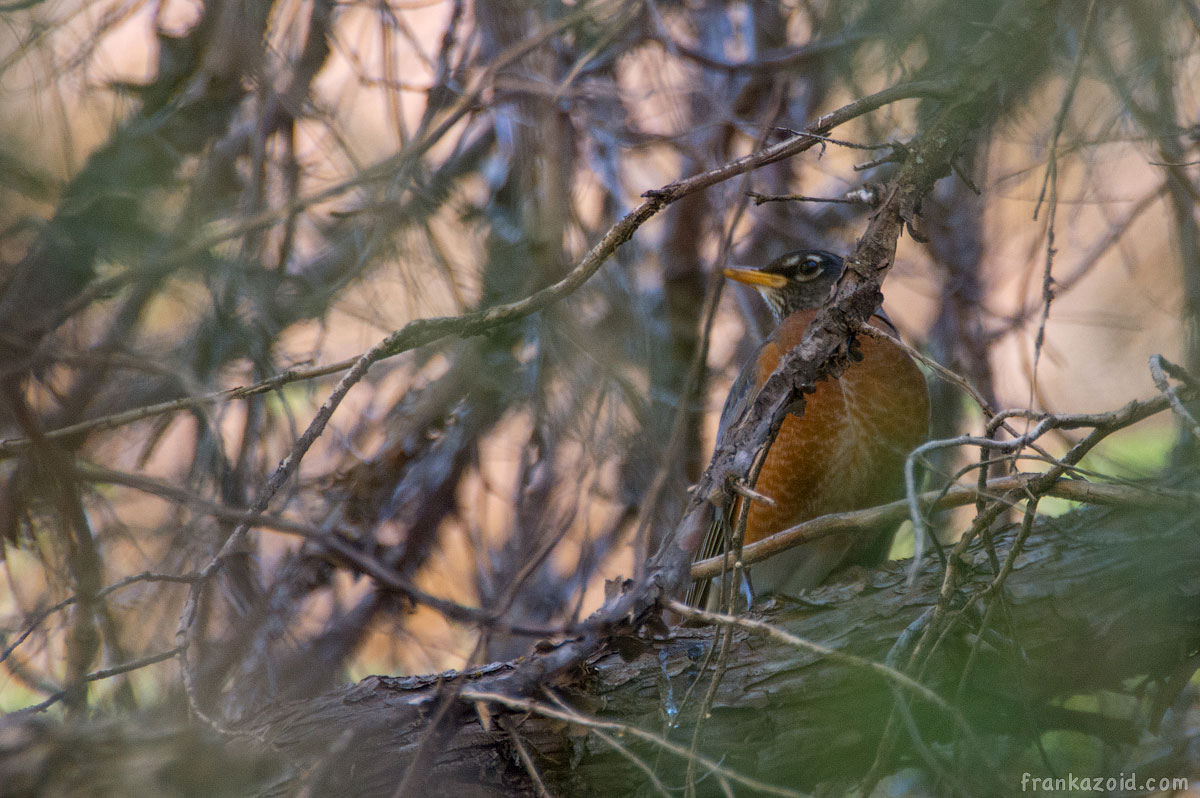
757,278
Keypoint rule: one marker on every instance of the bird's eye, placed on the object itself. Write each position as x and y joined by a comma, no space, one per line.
810,267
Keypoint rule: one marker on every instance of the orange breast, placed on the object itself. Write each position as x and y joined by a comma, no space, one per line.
847,451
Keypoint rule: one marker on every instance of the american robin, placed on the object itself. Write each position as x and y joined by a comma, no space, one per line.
845,453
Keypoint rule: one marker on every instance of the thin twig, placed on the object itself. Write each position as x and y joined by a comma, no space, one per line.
531,768
1103,425
759,199
1051,178
742,489
15,445
389,579
579,719
889,674
107,673
957,496
1060,118
1087,260
40,618
1158,374
91,472
647,770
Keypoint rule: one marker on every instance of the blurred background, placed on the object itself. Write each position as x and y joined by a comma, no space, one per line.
199,196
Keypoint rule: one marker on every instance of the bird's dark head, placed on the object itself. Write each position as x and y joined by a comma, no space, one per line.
799,280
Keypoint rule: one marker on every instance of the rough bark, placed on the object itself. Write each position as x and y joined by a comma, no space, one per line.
1099,601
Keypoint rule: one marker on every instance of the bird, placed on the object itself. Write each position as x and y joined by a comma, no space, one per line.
846,452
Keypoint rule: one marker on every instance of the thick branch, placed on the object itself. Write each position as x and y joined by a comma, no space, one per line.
792,717
1100,600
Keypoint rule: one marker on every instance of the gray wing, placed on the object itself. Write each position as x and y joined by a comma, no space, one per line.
740,395
739,398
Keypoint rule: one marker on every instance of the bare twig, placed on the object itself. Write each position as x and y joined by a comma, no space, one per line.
107,673
40,618
579,719
891,675
1102,426
526,760
1087,260
389,579
647,770
1158,374
759,199
91,472
1061,117
1051,178
742,489
956,496
273,383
